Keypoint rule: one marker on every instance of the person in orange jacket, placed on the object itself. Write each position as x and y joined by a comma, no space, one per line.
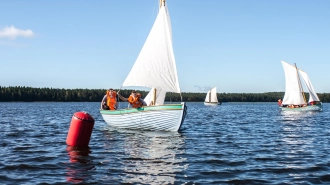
134,99
109,101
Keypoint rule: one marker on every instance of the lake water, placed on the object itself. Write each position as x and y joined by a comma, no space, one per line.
235,143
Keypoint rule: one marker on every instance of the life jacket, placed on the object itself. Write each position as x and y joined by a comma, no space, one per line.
135,102
111,100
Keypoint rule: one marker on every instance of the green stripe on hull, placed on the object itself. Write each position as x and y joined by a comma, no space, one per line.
143,109
308,108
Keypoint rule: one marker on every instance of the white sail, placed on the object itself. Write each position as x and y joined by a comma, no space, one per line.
293,93
160,97
214,95
155,66
312,94
207,98
211,96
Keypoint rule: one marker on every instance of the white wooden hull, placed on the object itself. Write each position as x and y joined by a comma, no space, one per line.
168,117
211,103
307,108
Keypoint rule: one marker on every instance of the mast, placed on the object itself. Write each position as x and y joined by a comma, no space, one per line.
161,3
210,99
301,88
154,97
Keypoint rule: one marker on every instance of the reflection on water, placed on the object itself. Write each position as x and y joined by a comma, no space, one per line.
296,115
152,157
298,139
80,164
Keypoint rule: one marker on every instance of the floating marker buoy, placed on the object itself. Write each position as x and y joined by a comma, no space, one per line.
80,130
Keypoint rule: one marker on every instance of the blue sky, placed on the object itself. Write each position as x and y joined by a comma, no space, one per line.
235,45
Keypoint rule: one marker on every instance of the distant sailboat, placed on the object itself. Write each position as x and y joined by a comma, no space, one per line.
294,97
211,97
154,68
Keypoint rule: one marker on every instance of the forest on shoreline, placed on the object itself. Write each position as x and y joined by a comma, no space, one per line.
30,94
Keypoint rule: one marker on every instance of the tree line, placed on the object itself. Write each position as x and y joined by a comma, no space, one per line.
30,94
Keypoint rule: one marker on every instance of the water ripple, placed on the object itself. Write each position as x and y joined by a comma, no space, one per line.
235,143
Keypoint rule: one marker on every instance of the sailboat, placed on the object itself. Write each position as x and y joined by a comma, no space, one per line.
154,68
294,97
211,97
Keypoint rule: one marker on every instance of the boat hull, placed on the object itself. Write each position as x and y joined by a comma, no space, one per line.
212,103
307,108
168,117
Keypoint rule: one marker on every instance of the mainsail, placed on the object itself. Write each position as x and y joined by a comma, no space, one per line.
293,93
155,66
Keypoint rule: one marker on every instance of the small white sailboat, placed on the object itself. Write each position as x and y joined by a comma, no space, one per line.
154,68
294,97
211,97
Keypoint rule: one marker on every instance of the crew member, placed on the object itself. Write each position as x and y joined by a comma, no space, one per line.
134,99
109,100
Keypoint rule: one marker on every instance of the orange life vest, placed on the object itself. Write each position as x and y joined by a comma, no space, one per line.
111,100
135,102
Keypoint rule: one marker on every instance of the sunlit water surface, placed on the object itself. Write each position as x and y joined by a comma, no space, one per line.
235,143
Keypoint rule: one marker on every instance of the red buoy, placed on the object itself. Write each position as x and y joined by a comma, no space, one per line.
80,129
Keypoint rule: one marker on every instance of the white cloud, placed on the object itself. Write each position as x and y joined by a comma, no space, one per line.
12,32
